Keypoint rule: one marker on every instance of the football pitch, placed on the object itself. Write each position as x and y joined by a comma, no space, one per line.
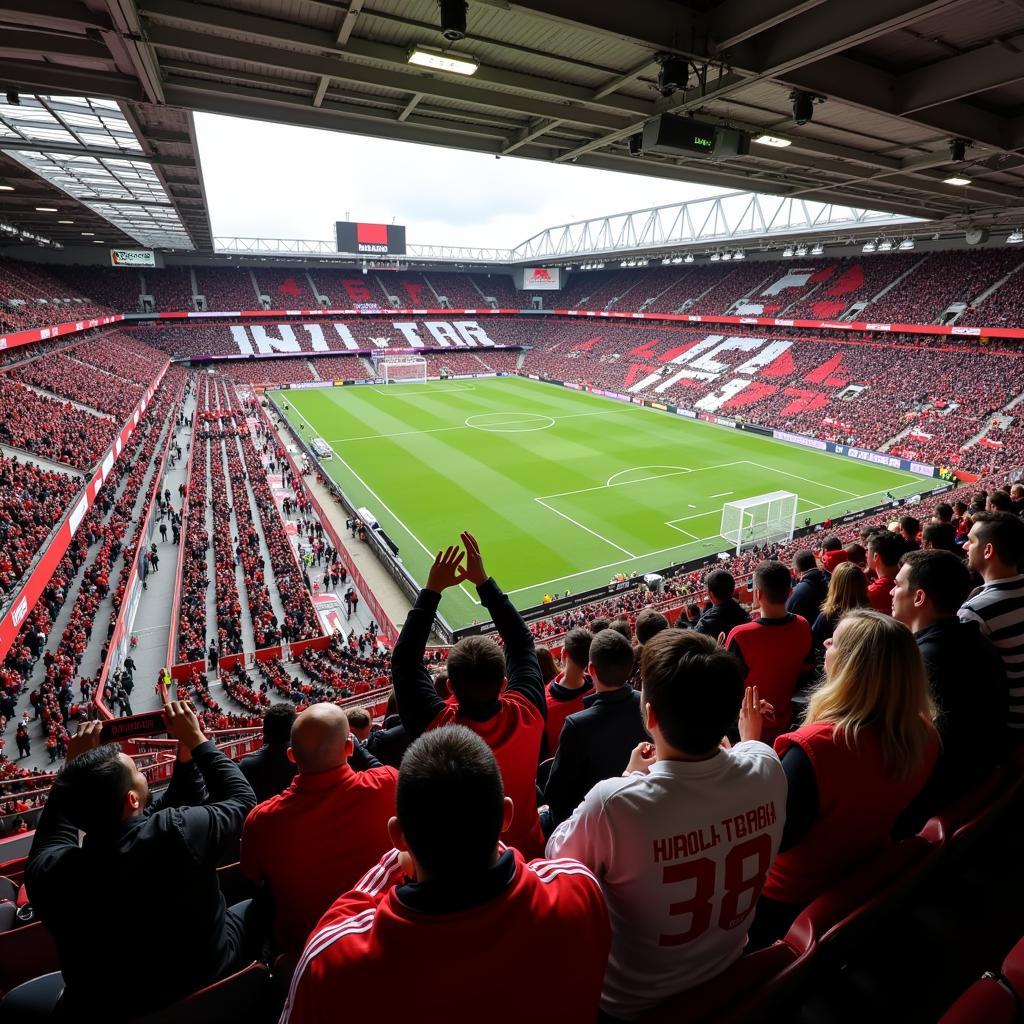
563,489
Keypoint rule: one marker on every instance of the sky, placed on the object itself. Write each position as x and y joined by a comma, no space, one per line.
277,181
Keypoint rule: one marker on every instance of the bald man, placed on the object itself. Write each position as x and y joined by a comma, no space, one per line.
317,838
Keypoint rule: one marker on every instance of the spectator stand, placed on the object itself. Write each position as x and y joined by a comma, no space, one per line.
131,589
77,616
317,493
36,578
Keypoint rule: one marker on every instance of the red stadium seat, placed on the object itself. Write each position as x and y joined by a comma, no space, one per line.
958,828
242,996
987,1001
26,953
8,916
1013,969
841,917
749,987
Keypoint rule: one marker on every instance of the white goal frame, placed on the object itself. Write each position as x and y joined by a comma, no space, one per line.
762,519
399,369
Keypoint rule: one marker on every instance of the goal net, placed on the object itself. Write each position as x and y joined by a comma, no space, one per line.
398,369
763,519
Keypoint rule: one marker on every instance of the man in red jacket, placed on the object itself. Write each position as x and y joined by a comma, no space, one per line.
509,718
450,926
319,834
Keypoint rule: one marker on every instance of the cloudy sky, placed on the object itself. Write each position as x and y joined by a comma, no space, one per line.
275,181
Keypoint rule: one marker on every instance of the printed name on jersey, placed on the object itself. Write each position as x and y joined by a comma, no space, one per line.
689,844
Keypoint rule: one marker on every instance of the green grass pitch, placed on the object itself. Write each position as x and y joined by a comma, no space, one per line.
563,489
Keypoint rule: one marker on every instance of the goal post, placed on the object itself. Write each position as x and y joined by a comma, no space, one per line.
399,369
762,519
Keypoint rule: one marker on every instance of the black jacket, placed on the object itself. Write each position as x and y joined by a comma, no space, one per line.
595,744
268,771
152,876
969,686
808,594
720,618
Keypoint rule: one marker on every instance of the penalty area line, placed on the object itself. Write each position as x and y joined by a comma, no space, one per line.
593,533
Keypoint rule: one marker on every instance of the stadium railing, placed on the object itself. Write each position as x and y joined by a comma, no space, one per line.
282,651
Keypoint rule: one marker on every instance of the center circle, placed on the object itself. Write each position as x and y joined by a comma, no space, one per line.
509,422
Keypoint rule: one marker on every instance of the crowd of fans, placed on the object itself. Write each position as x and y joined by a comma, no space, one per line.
70,377
52,429
939,280
32,502
286,289
227,288
346,290
765,758
171,289
108,532
31,297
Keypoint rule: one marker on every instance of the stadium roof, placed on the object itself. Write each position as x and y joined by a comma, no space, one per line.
570,80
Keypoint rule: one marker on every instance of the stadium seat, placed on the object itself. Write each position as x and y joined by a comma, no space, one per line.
840,918
959,828
1013,969
987,1001
242,996
8,915
32,1000
742,992
8,889
26,953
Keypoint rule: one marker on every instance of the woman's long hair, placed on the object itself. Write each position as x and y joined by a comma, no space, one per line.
878,678
848,589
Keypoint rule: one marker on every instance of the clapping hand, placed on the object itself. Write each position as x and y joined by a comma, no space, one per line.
474,571
447,570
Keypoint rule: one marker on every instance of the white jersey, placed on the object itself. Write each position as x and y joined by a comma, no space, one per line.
681,853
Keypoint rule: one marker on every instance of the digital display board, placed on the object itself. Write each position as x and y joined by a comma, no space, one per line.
542,278
370,239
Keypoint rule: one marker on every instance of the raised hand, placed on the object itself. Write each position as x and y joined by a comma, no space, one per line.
751,721
183,725
87,737
474,571
447,570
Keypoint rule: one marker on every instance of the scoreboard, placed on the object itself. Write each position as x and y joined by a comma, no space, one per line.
370,239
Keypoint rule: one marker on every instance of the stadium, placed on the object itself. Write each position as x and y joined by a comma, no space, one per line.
648,588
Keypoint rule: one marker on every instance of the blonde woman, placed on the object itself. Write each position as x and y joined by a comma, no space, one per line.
848,589
866,749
